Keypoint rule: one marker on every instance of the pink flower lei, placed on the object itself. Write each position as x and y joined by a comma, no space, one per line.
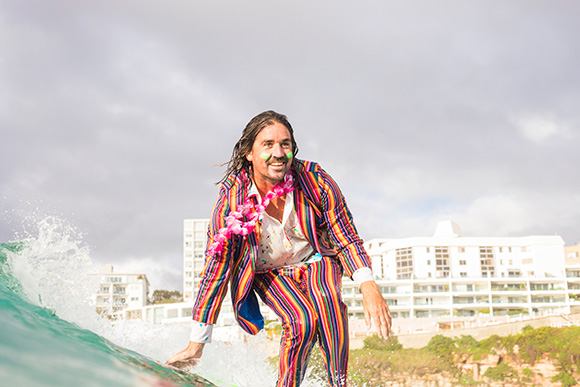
234,223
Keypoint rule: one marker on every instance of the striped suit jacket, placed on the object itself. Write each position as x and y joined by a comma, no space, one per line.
324,218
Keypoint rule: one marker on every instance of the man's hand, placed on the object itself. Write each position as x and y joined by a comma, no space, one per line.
191,355
376,309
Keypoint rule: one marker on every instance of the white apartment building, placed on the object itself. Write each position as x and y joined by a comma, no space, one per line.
572,255
449,275
194,243
120,291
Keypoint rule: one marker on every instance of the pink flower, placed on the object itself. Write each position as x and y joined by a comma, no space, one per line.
234,224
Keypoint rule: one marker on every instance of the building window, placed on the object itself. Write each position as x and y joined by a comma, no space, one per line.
527,261
461,249
119,290
572,255
387,289
486,260
404,263
539,287
428,262
442,261
463,274
462,262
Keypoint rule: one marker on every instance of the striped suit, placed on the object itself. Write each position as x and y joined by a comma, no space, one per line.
327,224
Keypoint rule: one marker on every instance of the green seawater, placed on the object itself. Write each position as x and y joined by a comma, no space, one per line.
37,348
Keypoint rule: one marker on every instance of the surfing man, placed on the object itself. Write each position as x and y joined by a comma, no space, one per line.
281,230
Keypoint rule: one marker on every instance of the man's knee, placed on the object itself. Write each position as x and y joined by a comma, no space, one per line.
304,329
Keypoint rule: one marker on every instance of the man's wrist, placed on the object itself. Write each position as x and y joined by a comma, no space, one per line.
364,274
200,332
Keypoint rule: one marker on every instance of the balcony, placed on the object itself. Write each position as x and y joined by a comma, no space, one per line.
509,300
470,300
548,300
119,290
431,302
508,288
432,289
468,288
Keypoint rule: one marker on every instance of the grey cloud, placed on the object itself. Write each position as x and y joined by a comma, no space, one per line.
116,113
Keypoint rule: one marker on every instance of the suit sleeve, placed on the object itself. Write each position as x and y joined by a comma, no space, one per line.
341,229
215,273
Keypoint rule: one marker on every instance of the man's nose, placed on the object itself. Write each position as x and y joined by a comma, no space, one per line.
277,151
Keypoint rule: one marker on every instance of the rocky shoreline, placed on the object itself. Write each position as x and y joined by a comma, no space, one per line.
543,357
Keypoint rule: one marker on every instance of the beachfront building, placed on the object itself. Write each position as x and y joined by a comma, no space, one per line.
194,241
119,291
573,272
572,255
449,275
194,244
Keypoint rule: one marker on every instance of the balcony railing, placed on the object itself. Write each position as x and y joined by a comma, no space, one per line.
470,301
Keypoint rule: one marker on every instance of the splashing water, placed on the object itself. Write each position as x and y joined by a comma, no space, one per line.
51,334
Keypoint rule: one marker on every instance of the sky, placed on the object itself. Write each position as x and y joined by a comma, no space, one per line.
114,115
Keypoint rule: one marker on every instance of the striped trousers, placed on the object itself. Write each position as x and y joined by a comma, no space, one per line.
308,300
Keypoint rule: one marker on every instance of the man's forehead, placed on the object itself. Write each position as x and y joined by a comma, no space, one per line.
268,133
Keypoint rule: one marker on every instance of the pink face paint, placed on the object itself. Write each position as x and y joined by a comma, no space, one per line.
265,156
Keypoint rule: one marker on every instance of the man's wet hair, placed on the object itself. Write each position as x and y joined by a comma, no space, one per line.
238,161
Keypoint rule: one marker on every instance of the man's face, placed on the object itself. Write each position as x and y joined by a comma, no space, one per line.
269,155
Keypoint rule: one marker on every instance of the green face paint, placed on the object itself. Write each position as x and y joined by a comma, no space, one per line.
265,156
289,154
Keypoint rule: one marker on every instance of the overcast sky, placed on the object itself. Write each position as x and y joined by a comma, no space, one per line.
114,114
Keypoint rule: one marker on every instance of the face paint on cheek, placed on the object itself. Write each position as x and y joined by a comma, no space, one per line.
289,154
265,156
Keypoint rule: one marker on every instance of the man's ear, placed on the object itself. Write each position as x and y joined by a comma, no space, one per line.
250,157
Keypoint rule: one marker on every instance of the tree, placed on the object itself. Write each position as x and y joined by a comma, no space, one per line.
161,296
